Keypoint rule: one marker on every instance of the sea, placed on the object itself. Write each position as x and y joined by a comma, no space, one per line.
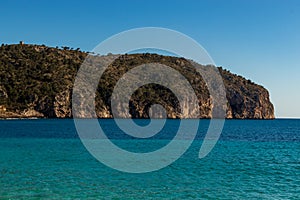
253,159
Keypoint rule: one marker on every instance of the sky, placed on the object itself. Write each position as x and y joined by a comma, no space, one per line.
258,39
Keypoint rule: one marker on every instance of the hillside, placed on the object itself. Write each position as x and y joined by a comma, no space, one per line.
37,81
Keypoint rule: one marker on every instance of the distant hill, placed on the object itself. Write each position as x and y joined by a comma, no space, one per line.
37,81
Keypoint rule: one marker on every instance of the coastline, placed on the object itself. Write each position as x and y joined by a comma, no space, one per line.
35,118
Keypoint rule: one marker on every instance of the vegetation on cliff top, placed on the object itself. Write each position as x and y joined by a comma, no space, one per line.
40,79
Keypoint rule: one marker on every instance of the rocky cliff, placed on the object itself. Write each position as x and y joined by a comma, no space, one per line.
37,81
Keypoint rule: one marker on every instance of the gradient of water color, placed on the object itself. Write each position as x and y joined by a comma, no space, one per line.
253,159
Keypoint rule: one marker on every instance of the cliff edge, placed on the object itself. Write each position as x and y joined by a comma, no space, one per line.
37,81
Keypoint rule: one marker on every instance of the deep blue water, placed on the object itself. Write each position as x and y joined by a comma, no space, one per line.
253,159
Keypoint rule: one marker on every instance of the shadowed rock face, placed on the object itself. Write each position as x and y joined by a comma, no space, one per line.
37,81
246,99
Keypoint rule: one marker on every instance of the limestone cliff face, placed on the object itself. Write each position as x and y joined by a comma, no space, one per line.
62,104
243,107
37,81
246,99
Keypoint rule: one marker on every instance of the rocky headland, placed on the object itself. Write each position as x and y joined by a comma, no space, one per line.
36,81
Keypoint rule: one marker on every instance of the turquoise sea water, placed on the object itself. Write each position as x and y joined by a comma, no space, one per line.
45,159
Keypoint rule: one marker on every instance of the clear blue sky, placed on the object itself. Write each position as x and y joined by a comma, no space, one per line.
258,39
